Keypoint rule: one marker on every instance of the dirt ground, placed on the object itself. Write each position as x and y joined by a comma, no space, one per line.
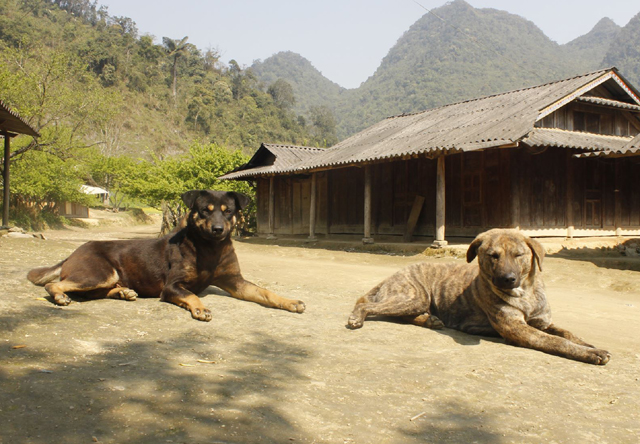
111,371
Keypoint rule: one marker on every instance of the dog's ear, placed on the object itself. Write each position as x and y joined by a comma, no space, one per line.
537,249
472,252
241,199
189,198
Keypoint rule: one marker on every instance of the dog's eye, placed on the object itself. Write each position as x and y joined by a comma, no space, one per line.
228,211
494,255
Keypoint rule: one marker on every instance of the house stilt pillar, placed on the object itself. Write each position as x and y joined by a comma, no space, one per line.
312,208
569,197
7,153
440,205
272,209
367,239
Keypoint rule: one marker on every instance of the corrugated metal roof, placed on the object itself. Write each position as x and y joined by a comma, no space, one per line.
570,139
11,122
88,189
633,143
488,122
492,121
631,148
609,102
290,155
278,159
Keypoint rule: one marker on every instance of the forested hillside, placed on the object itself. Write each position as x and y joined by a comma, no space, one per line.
624,52
587,52
309,86
458,52
119,110
125,92
122,110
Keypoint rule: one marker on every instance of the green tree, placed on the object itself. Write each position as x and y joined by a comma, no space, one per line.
41,181
324,123
282,93
161,183
175,49
112,174
43,86
241,80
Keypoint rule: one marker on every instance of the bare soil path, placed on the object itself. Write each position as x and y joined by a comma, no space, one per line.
111,371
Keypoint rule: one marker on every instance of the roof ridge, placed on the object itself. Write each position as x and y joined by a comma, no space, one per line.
475,99
561,130
301,147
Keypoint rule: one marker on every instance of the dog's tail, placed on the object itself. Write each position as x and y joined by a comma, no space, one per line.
43,275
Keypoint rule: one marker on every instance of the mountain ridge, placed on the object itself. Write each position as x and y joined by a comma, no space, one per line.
478,51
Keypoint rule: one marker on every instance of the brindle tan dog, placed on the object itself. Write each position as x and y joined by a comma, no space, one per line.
175,267
504,295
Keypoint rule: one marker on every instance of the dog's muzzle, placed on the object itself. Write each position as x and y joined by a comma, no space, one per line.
217,232
506,281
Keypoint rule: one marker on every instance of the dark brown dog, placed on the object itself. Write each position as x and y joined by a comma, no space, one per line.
503,296
175,268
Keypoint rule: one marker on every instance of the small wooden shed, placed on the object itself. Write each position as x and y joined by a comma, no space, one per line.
78,210
558,159
11,125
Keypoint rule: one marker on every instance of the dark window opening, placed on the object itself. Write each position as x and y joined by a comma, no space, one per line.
588,122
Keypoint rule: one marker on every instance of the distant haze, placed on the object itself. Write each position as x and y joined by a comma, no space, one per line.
344,39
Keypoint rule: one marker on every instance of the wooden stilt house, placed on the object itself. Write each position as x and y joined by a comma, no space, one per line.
559,159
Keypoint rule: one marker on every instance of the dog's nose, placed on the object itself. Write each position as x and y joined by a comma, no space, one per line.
217,229
507,280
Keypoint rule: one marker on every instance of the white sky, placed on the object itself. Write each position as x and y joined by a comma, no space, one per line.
344,39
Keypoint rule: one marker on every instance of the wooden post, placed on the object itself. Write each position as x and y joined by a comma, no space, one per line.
312,208
272,209
514,160
367,239
418,202
570,223
617,204
7,152
439,241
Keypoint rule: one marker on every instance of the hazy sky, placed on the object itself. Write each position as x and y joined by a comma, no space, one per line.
344,39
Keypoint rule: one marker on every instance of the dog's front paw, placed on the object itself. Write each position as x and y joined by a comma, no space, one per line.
296,307
128,294
429,321
201,314
354,322
62,299
598,357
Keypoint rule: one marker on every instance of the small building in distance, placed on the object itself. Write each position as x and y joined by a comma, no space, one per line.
78,210
558,159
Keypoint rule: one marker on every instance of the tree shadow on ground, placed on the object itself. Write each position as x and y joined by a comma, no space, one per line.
624,256
457,336
181,389
453,422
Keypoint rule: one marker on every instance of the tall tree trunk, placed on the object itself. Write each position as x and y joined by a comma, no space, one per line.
174,73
